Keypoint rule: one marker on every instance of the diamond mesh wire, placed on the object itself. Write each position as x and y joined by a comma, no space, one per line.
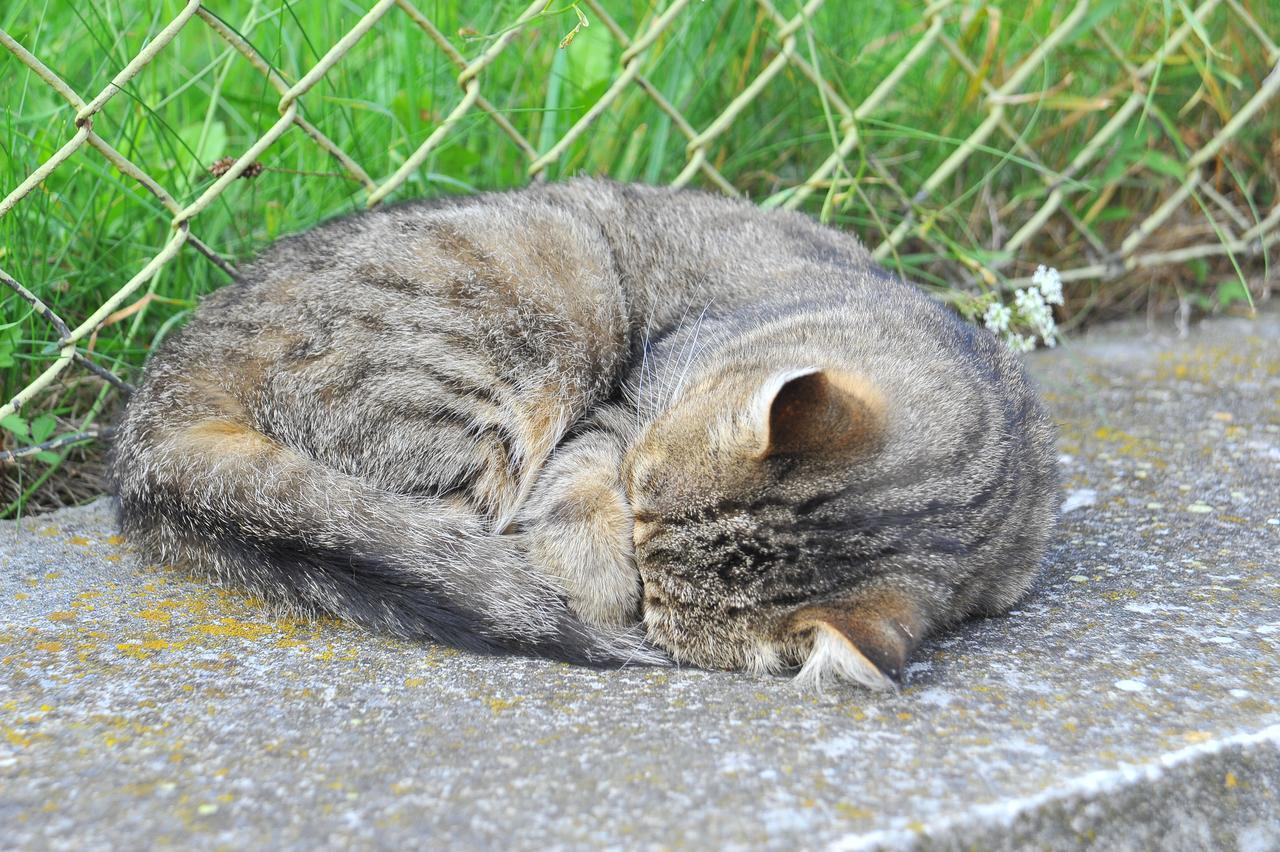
1237,232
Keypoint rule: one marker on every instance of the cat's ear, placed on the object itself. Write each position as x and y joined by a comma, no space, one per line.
866,639
811,411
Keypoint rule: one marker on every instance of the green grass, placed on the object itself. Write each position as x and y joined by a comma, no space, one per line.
87,229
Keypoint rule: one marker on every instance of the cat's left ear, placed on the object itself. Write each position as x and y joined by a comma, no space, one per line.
811,411
867,638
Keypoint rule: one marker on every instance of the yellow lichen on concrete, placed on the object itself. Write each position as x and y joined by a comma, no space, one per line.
234,628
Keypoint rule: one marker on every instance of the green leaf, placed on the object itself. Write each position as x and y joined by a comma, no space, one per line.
211,147
42,427
988,257
1162,163
456,160
12,326
16,424
273,218
549,131
1199,268
8,345
1114,213
590,61
48,457
1231,291
1128,154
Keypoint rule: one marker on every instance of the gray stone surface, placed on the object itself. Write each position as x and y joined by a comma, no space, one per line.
1132,701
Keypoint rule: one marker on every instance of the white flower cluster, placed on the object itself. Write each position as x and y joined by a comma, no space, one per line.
1031,309
1049,282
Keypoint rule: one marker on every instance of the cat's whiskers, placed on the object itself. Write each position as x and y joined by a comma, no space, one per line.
644,375
688,351
665,384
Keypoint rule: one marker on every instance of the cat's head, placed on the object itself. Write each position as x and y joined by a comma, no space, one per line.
761,537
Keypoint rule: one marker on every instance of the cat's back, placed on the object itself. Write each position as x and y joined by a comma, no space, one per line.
456,330
410,262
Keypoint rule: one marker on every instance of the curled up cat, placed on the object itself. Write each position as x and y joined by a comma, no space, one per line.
596,422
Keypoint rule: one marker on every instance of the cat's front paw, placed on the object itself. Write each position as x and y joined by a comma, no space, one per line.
577,528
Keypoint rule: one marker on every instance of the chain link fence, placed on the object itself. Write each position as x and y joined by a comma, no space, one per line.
939,39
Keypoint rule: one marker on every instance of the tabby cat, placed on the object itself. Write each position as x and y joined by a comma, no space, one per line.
597,422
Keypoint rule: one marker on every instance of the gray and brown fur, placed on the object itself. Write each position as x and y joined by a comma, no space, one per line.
561,419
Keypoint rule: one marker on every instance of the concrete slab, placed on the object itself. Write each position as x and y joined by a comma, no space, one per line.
1133,701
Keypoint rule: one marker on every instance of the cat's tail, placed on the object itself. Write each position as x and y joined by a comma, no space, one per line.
220,495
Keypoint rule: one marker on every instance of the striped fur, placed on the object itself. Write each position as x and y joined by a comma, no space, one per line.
561,419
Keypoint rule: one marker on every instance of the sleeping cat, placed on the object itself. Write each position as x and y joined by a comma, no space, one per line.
600,423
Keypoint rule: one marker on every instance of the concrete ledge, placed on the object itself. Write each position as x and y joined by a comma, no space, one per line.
1133,701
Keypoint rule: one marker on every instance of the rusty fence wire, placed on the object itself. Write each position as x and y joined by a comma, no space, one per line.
1236,232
